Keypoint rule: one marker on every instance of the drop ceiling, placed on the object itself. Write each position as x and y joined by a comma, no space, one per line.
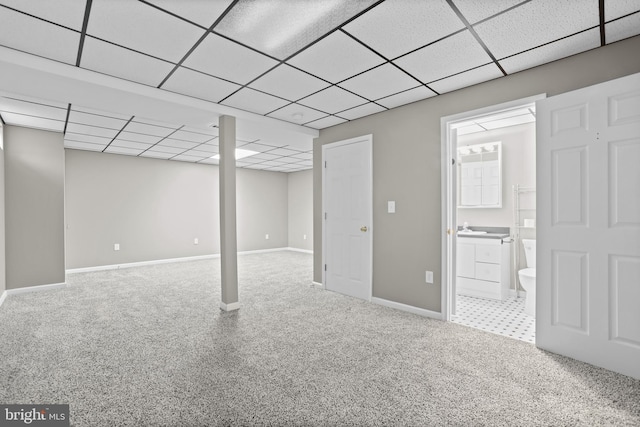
150,78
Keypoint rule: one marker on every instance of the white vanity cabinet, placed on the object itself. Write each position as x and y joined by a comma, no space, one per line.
483,267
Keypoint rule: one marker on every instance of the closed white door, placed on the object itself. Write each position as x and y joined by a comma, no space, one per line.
588,248
347,201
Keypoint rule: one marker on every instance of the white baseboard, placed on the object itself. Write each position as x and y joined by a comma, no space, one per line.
37,288
229,307
408,308
317,285
306,251
521,293
3,297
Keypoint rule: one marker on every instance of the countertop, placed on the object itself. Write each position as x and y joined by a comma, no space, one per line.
491,232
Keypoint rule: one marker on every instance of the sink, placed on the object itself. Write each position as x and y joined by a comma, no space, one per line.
471,232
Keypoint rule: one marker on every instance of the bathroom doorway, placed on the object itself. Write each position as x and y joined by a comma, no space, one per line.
489,191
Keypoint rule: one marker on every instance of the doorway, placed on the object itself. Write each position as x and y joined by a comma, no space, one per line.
495,141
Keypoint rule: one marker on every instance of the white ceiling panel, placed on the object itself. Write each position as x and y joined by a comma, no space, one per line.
121,150
143,28
336,58
450,56
148,129
175,143
474,10
186,158
192,136
196,152
29,108
380,82
510,121
623,28
326,122
21,32
396,27
100,113
201,12
211,131
199,85
298,83
296,113
468,78
550,52
95,120
116,61
240,65
283,151
83,145
207,149
332,100
532,25
156,155
92,139
406,97
91,130
33,122
130,144
69,13
254,101
138,137
361,111
171,151
616,8
465,130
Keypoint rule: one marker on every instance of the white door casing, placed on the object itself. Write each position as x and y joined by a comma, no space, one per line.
588,248
347,222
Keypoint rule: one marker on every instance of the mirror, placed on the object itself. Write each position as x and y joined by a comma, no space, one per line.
480,175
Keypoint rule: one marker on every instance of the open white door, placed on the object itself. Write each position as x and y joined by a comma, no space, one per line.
347,207
588,250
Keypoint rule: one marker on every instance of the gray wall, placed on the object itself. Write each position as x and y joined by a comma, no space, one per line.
155,208
301,210
406,166
3,285
34,207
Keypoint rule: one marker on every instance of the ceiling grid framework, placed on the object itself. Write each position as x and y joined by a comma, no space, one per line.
304,64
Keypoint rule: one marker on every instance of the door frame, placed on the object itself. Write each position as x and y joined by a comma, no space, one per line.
449,192
368,140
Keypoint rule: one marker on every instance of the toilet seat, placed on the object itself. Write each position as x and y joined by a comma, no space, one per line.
528,272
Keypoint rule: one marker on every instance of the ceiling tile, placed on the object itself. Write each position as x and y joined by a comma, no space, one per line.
37,37
95,120
207,148
203,13
287,82
532,25
254,101
83,145
199,85
468,78
156,155
121,150
148,129
290,113
92,139
336,57
130,144
326,122
361,111
205,131
163,149
100,113
138,137
411,95
465,130
616,8
550,52
192,136
510,121
33,122
396,27
186,158
623,28
143,28
240,65
332,100
196,152
474,10
185,145
282,27
29,108
91,130
119,62
449,56
380,82
69,13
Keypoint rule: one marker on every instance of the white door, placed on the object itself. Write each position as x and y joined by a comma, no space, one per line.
347,204
588,248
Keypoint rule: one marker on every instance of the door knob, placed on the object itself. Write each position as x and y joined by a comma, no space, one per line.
364,228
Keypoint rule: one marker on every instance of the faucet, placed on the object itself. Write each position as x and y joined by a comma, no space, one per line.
465,226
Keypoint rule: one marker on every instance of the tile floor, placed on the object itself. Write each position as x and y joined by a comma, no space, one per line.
500,317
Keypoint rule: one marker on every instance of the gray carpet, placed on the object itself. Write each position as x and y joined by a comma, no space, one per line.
149,346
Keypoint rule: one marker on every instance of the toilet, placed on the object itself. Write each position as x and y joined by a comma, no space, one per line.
528,277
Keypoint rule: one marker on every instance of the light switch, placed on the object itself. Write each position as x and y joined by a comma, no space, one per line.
391,206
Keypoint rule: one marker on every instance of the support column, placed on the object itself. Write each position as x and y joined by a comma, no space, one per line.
228,235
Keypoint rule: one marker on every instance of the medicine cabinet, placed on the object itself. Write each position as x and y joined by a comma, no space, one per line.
480,175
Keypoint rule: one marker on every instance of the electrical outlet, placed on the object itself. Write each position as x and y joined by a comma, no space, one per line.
195,241
116,246
266,236
304,237
429,277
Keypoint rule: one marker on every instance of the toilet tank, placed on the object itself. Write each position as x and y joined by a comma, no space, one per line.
530,251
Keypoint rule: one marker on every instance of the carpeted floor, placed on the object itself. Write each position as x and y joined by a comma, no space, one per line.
148,346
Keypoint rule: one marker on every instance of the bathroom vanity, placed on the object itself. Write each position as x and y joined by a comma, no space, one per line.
483,262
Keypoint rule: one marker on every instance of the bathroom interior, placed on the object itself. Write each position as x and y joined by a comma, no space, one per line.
496,216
